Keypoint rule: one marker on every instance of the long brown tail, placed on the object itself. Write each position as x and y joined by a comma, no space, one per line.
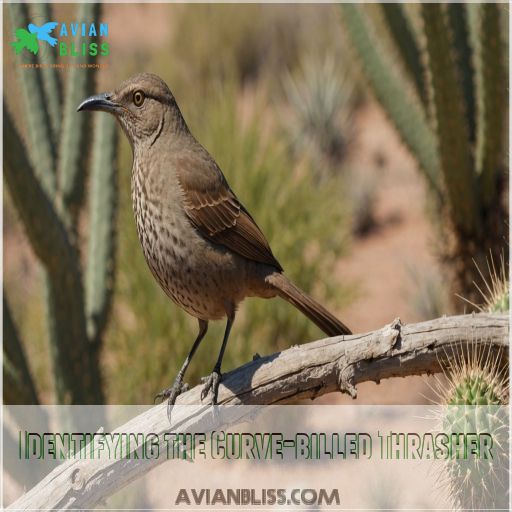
308,306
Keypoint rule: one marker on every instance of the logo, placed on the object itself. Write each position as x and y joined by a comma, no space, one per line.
63,38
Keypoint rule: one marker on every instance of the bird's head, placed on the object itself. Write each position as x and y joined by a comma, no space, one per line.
143,105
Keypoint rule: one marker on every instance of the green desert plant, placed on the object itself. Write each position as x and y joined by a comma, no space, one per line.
474,395
46,186
322,103
458,133
473,399
495,292
290,207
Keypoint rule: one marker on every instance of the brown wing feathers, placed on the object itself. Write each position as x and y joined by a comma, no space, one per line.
215,211
247,240
211,214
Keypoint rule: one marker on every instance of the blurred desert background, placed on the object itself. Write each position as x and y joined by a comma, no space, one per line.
277,96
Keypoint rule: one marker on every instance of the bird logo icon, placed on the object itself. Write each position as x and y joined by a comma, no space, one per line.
28,39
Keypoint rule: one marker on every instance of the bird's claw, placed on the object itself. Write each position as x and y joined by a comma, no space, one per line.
173,392
211,383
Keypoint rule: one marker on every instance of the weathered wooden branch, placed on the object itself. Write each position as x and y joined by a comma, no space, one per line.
304,371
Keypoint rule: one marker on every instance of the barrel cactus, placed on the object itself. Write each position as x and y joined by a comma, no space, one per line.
474,402
497,298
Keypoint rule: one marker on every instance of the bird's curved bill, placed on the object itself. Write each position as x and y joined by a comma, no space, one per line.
98,102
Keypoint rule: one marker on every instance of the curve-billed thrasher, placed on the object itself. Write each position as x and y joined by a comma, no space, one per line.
201,244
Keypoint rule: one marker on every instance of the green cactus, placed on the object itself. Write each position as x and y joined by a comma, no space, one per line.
408,116
50,76
102,207
474,389
403,34
71,169
502,303
19,387
43,154
493,100
473,483
451,127
458,136
459,26
47,193
475,402
496,292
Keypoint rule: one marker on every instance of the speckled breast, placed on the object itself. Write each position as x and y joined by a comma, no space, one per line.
173,250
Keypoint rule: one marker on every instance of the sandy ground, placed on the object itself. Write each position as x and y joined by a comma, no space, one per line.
379,263
403,235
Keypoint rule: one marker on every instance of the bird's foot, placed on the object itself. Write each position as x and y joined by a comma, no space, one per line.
173,392
211,383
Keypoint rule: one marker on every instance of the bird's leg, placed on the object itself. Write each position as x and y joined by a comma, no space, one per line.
179,387
213,380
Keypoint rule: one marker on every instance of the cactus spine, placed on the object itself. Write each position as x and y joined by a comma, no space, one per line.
77,308
475,402
458,135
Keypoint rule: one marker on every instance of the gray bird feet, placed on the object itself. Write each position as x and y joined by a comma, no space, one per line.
211,383
173,392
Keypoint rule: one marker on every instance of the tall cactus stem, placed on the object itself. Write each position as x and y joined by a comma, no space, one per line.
45,231
459,25
19,386
101,245
75,129
42,150
452,134
493,103
405,40
51,80
78,379
404,112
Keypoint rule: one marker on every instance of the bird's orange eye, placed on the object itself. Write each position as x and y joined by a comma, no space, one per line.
138,98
